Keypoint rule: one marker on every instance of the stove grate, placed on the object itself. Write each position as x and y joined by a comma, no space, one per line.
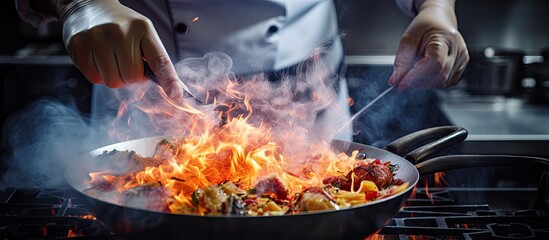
439,213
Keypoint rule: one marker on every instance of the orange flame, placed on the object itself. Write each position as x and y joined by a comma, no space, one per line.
375,237
226,141
87,216
240,153
237,151
412,194
428,193
99,177
73,233
439,179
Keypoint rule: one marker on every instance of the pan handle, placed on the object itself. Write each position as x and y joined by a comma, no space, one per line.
444,163
438,138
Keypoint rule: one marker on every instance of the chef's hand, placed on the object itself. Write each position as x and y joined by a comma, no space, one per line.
431,53
108,41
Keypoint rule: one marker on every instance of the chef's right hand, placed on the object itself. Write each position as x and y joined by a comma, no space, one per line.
432,52
108,41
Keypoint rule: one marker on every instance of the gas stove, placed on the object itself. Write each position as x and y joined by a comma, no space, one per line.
430,213
440,213
47,214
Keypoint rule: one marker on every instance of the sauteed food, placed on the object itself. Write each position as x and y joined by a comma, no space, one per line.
177,180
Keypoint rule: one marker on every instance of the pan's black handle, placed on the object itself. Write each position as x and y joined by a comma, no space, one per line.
450,162
438,138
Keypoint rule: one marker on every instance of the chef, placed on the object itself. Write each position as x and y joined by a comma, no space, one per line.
109,39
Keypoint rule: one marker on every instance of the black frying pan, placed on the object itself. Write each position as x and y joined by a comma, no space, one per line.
353,223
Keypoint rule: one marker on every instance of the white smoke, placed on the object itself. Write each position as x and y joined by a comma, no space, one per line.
43,138
288,101
40,140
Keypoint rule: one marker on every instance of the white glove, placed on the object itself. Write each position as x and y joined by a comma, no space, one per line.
108,41
431,53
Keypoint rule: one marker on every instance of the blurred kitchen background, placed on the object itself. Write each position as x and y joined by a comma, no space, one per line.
502,100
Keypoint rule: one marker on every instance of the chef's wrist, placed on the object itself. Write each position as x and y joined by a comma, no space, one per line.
425,4
67,7
442,9
56,8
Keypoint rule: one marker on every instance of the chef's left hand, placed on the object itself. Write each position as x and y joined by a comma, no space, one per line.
431,53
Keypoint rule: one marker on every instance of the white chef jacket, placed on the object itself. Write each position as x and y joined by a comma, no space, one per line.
268,34
259,35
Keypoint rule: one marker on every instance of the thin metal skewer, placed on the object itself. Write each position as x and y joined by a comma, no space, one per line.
357,114
371,103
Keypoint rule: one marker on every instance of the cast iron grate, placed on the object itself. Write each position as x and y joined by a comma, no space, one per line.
433,214
437,215
47,214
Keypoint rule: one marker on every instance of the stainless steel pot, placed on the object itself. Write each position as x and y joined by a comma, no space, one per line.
540,72
494,71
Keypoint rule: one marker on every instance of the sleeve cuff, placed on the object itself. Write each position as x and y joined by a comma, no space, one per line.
27,14
407,7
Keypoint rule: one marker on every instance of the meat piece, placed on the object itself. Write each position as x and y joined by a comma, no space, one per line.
165,149
116,161
272,185
103,185
149,196
138,162
123,162
397,182
340,182
380,174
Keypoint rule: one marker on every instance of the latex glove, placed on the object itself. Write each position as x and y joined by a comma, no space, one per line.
431,53
108,41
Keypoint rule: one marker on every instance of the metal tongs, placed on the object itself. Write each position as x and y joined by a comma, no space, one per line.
150,74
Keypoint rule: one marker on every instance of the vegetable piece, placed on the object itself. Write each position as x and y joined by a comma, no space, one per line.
212,200
195,196
314,199
369,189
371,195
319,191
367,186
230,188
236,206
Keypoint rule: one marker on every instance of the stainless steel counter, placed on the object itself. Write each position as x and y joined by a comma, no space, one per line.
499,125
